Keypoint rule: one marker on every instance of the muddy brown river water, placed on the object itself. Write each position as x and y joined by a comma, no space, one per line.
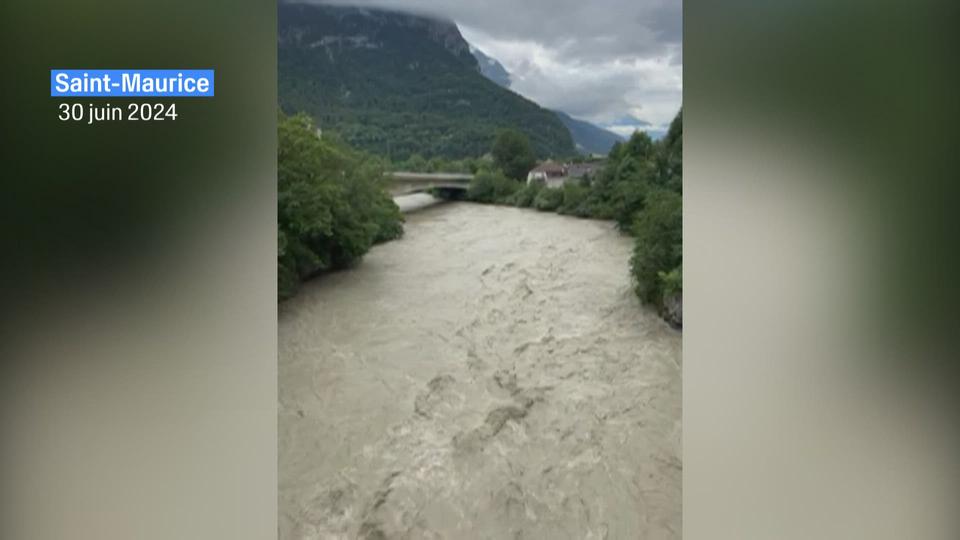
489,375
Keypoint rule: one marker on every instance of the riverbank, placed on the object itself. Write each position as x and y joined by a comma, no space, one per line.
490,371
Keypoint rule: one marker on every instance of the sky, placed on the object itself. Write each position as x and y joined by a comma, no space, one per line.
616,63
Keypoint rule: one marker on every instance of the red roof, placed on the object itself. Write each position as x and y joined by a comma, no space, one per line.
550,168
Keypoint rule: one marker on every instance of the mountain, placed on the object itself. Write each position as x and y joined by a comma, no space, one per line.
491,68
629,120
589,139
398,84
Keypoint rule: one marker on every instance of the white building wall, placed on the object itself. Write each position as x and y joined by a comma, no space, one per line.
556,181
531,176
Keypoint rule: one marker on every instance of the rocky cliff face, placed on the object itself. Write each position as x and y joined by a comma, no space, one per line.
447,34
491,68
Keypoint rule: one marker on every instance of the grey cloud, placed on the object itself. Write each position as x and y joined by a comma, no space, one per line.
667,22
580,29
594,59
588,96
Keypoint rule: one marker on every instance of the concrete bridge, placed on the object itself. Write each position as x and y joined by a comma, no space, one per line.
404,183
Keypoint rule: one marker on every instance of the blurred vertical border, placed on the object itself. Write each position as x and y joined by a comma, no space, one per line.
820,221
138,318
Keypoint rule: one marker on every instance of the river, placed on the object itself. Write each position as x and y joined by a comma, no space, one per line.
489,375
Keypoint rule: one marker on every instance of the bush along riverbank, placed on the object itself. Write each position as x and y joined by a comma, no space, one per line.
331,204
640,188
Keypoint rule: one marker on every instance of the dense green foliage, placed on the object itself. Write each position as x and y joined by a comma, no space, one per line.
513,154
492,187
574,194
331,205
398,85
548,200
658,251
525,196
670,159
640,188
672,280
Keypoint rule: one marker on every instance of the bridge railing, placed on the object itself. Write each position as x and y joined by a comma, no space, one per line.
402,183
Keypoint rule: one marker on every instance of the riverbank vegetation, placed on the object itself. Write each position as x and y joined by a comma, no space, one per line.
640,189
331,204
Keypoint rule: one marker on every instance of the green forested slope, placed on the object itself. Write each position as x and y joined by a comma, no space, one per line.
397,85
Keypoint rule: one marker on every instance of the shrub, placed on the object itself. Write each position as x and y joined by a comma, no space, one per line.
628,199
574,195
595,207
548,199
672,281
491,187
658,245
524,198
331,205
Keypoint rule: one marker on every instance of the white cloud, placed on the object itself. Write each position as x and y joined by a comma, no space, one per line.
596,89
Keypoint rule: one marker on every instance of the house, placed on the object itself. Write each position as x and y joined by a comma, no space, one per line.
555,175
550,173
579,170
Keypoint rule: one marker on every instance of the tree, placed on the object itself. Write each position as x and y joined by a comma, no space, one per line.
658,248
416,163
491,188
640,146
331,204
670,161
513,154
